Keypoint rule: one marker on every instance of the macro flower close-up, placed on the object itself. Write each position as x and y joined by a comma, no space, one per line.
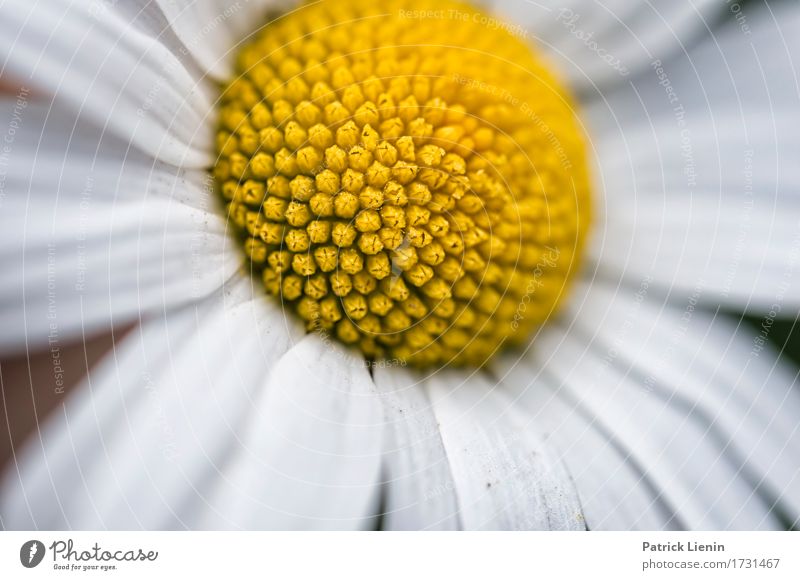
399,265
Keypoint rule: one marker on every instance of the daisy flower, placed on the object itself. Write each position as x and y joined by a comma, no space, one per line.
399,265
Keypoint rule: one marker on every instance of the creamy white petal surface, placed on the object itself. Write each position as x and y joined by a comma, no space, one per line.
724,374
466,443
144,441
211,29
95,62
666,416
596,44
51,146
310,454
506,476
419,489
698,169
94,233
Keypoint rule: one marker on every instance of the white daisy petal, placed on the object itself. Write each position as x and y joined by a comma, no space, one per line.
56,154
108,265
741,254
419,488
309,455
505,475
141,443
112,73
73,439
92,232
210,29
600,43
613,488
675,451
698,171
675,396
761,408
751,71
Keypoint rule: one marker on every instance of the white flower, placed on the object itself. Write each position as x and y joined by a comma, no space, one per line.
644,405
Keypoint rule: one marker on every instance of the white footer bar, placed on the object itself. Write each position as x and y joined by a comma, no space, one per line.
462,555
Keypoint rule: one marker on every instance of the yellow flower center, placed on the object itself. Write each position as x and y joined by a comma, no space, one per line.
406,176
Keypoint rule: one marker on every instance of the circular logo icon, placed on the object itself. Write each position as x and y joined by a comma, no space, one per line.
31,553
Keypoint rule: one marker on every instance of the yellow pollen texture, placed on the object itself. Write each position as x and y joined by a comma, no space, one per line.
407,177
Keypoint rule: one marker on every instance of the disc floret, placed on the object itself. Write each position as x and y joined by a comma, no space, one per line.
414,185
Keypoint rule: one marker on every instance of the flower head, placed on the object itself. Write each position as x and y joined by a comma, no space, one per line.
415,188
